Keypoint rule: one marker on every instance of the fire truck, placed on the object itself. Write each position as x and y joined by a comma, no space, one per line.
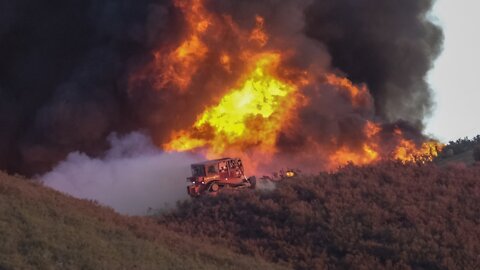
211,176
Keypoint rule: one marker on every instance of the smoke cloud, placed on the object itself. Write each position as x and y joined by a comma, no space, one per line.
63,75
389,45
131,177
66,69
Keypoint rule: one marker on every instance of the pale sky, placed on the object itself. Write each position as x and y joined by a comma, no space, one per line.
455,79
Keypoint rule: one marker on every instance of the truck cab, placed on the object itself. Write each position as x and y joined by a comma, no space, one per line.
214,175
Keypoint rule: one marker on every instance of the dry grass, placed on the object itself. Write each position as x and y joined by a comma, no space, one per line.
44,229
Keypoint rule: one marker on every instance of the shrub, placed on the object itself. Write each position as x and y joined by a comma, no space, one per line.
390,216
460,146
476,153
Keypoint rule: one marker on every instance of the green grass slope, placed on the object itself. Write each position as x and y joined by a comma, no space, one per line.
44,229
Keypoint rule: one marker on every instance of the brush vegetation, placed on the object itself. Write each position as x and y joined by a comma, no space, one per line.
460,151
385,216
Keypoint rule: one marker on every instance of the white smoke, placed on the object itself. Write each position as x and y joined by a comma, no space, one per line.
132,177
266,185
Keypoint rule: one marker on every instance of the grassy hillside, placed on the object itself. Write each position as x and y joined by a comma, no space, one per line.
387,216
44,229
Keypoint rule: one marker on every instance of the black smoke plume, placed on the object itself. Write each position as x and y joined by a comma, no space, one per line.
64,65
62,71
390,45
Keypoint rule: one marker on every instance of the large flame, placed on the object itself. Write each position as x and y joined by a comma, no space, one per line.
407,151
263,97
251,114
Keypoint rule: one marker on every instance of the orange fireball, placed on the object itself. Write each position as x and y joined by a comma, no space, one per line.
259,96
251,114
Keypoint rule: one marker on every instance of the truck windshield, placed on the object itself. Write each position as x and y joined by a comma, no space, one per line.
198,170
212,169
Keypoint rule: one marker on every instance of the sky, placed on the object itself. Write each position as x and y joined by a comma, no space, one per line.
454,79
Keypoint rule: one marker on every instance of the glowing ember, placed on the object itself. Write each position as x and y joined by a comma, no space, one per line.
258,33
226,62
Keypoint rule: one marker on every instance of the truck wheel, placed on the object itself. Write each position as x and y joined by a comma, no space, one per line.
214,187
253,182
